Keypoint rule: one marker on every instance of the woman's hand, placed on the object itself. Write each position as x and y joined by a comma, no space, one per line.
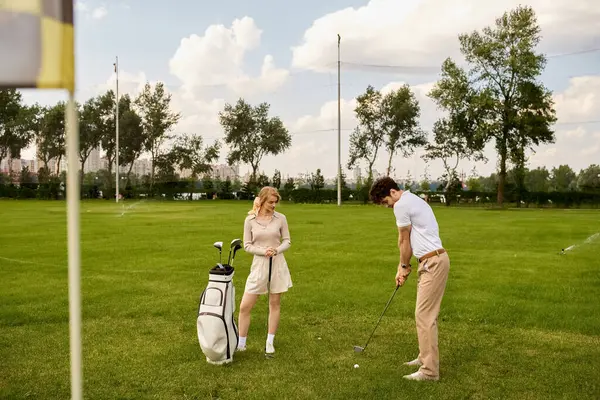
271,252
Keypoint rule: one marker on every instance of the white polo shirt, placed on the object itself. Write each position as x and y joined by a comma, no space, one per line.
424,235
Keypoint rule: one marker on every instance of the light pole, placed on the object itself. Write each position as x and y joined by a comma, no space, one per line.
116,64
339,185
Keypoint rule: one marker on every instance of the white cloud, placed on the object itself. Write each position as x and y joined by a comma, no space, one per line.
580,101
425,32
217,59
588,151
99,12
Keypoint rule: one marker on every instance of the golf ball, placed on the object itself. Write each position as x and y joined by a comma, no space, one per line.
355,365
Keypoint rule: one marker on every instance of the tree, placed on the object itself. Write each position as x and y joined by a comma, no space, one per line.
408,181
474,181
537,180
317,181
191,154
400,112
251,134
18,124
505,71
227,187
589,178
456,136
131,135
107,127
207,184
563,179
51,137
154,107
262,181
277,179
90,131
344,184
368,136
289,185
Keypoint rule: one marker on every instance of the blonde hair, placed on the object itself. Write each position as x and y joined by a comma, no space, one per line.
263,196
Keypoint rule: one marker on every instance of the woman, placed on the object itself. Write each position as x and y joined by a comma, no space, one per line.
266,235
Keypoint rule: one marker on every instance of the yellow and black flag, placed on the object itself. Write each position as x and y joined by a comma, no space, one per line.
37,44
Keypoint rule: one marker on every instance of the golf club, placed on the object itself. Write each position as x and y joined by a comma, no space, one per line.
234,243
360,349
235,249
267,355
219,245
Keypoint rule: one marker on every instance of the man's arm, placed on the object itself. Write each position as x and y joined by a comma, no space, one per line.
404,244
405,254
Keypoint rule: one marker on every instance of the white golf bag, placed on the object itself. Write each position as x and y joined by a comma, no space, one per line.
217,332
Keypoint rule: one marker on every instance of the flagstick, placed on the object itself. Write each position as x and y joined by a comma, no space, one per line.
73,246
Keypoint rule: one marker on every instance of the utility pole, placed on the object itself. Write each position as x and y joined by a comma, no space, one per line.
116,64
339,186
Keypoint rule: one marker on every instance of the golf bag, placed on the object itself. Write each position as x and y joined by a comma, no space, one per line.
217,332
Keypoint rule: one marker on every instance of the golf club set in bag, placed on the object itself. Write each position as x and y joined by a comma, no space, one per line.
217,332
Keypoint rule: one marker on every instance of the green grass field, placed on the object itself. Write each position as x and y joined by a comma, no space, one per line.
518,321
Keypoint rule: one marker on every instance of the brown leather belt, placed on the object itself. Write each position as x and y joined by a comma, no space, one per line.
431,254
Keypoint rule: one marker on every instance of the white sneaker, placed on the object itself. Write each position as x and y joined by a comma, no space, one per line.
414,363
241,348
269,349
419,376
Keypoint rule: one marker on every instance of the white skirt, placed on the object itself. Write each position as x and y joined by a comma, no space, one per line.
258,279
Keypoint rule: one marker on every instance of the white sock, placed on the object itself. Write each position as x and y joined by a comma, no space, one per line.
270,338
242,342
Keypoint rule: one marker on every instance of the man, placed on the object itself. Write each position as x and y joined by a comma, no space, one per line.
418,234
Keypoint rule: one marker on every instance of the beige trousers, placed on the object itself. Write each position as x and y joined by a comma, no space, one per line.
432,278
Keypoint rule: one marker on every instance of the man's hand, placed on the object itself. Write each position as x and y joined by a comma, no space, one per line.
402,275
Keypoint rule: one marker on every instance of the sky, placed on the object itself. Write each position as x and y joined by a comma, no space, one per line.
285,53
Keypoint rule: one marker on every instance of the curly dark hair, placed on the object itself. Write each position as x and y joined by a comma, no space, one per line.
381,188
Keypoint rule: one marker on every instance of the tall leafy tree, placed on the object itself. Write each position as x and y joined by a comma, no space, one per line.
563,179
251,134
458,135
191,154
18,124
505,69
532,125
90,131
400,113
107,131
277,179
589,179
154,106
369,135
51,137
537,180
316,180
131,135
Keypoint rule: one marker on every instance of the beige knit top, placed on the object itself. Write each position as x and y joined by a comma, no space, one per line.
259,236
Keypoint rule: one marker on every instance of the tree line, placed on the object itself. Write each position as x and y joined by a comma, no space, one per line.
497,97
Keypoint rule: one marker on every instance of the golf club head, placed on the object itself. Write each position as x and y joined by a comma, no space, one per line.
219,246
235,249
234,243
358,349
